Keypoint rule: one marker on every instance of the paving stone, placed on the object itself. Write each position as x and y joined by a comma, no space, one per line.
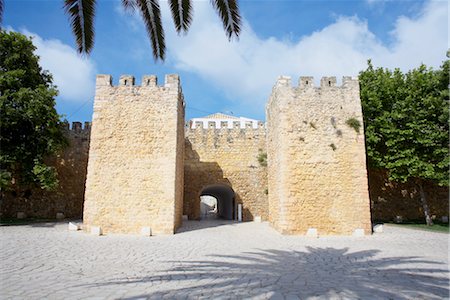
228,260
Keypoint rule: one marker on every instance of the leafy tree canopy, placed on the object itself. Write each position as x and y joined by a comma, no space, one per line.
406,120
29,124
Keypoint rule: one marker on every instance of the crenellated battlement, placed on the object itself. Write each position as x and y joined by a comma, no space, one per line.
217,132
77,127
307,82
225,124
170,81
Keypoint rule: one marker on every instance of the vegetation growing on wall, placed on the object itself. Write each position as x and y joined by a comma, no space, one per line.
29,125
354,123
262,158
406,119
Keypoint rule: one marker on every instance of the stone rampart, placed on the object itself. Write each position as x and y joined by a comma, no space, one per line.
395,201
71,165
316,153
135,169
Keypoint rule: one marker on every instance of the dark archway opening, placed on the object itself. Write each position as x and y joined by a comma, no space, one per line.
219,204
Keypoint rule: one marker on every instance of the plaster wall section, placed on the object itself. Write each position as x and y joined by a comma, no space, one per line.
134,177
320,174
230,157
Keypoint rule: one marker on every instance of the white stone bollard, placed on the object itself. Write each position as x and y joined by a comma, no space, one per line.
358,232
74,226
398,219
240,212
257,219
60,216
378,228
96,230
312,232
146,231
21,215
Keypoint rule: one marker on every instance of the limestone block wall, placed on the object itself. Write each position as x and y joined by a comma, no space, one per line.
226,156
71,165
317,167
135,169
391,199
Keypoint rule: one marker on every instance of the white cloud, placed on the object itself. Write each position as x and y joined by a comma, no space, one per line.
246,70
72,74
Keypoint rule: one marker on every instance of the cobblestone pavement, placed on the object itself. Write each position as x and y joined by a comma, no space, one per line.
221,260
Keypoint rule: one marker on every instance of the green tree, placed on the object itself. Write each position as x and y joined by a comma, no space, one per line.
82,13
30,128
406,119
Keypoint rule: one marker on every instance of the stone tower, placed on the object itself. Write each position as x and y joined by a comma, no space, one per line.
317,177
135,168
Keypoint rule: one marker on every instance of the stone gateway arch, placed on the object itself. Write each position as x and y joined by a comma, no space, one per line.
147,167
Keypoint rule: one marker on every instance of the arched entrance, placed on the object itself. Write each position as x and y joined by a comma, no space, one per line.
217,201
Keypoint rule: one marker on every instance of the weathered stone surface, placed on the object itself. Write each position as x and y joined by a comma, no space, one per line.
317,164
229,157
391,199
135,169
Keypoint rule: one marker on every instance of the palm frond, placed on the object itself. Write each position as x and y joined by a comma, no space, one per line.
1,11
81,15
228,11
129,5
182,14
151,14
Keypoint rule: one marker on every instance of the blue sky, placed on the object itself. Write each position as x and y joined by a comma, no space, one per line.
296,38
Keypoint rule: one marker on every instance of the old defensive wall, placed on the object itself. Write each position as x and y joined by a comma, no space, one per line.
148,167
226,155
317,163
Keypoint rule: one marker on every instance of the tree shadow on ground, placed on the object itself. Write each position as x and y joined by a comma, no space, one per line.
317,272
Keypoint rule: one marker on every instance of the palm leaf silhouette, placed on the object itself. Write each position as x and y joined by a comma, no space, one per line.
181,14
81,15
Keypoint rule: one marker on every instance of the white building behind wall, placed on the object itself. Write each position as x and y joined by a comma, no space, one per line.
219,120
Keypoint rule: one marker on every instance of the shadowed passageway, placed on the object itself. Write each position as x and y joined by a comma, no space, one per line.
224,204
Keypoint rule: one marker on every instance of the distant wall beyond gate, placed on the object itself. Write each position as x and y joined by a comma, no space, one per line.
226,156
